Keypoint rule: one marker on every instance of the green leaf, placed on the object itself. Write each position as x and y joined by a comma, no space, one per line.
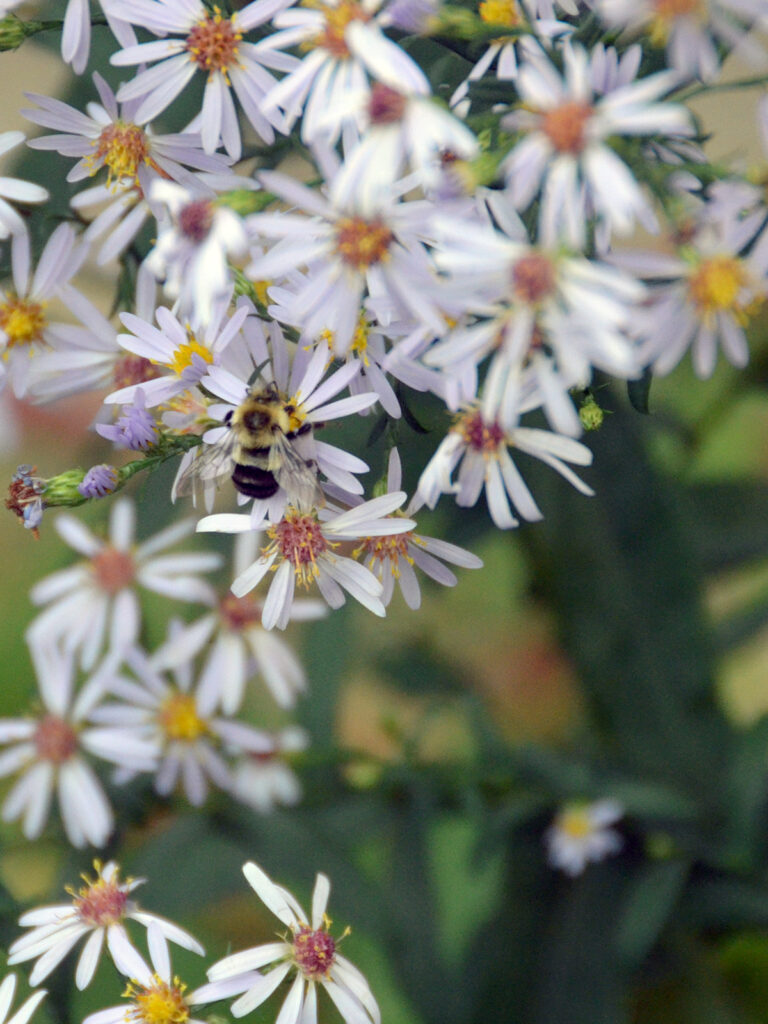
652,897
639,391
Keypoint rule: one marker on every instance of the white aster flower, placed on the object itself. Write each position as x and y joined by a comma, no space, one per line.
265,781
240,646
479,448
16,190
51,751
196,238
353,247
394,558
344,48
701,297
99,909
27,1008
193,746
196,39
26,328
691,32
96,600
564,155
581,834
311,952
301,550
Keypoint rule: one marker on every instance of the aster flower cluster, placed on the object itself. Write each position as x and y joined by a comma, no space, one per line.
461,243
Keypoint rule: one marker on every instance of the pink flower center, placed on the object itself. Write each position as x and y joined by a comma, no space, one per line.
313,953
131,369
533,278
386,106
565,126
196,219
481,436
299,539
101,903
240,613
55,740
113,570
213,43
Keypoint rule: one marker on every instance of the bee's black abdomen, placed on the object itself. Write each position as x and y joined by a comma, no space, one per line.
254,482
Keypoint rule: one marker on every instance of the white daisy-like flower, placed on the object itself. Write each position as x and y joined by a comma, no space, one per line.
15,189
95,601
26,328
51,751
187,355
193,746
581,834
27,1008
691,31
353,247
545,315
394,558
564,155
99,909
265,781
240,646
303,388
301,550
479,447
156,994
310,951
198,39
706,295
344,48
197,236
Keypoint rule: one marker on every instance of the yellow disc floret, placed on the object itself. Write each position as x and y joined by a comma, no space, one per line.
719,285
500,12
158,1003
22,320
179,718
183,356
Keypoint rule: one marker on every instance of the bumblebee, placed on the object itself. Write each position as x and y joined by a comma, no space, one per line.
264,449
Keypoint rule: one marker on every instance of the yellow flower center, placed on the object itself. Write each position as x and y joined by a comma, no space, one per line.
179,718
380,549
158,1003
183,356
667,12
213,43
121,148
332,37
500,12
23,321
361,243
575,822
717,285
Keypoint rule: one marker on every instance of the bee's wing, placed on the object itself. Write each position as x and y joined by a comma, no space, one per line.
210,464
296,475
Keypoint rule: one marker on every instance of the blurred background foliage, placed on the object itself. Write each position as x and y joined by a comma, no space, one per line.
619,648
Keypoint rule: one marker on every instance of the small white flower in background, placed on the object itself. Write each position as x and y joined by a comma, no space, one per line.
241,646
25,1011
479,446
95,601
392,558
16,190
192,746
344,48
51,752
212,44
157,996
265,781
196,237
99,909
692,32
301,551
581,834
564,156
310,951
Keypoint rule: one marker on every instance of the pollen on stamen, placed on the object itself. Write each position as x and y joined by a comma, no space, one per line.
179,719
122,148
298,537
333,35
313,952
158,1003
383,550
22,321
213,43
103,902
362,243
183,356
